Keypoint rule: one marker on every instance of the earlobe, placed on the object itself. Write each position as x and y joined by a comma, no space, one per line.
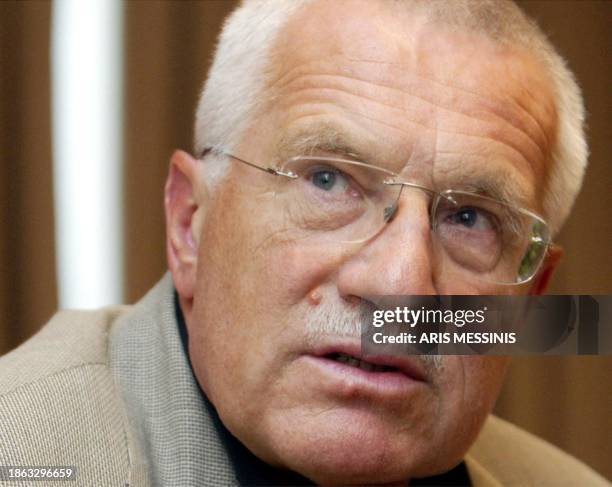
184,199
542,279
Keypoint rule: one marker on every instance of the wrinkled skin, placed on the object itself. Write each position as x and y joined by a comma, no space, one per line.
435,106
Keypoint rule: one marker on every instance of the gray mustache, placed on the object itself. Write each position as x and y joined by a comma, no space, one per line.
334,321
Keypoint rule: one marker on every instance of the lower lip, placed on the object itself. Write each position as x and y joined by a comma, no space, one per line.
346,380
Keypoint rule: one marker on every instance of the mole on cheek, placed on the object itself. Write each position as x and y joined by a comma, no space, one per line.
314,297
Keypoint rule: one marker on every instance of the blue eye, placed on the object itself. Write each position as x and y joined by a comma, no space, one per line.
467,217
472,218
324,179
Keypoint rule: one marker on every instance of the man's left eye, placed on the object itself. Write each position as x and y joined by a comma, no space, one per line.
467,217
472,218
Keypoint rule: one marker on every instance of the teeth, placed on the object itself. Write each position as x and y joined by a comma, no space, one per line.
342,358
366,366
354,362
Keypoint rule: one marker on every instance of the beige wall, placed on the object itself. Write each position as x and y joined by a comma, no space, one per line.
168,47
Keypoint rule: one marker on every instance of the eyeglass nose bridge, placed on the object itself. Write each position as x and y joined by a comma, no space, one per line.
389,212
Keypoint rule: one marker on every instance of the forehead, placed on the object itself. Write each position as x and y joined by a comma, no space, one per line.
422,99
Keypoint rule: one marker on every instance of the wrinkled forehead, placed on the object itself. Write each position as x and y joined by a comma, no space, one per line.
423,100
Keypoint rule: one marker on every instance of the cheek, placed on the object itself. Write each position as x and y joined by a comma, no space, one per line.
295,269
469,386
252,280
247,251
478,385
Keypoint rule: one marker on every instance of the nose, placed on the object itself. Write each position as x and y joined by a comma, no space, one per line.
398,260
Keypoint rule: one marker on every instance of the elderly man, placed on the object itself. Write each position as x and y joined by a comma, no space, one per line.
343,149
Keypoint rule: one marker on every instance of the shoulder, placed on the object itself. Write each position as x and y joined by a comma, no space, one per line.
58,400
505,454
71,339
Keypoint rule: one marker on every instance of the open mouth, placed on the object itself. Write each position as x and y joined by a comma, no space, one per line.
377,367
340,368
360,363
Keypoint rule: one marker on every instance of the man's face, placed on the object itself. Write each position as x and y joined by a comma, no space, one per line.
443,109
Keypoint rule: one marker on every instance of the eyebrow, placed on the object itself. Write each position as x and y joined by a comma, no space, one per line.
317,138
497,184
494,183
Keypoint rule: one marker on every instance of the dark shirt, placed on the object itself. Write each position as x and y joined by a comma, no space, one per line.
250,470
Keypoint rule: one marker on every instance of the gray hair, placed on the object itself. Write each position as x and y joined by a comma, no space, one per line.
234,89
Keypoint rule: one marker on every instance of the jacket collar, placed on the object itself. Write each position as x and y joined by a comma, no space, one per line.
174,435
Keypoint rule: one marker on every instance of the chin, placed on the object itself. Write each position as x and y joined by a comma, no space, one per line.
349,452
369,466
349,468
357,467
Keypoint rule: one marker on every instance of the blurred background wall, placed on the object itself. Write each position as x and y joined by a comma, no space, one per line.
167,49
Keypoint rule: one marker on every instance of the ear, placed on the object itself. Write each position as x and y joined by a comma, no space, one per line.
542,279
185,201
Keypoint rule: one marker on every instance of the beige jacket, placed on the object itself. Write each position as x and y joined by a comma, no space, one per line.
111,393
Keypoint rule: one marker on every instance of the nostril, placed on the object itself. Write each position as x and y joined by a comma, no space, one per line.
352,300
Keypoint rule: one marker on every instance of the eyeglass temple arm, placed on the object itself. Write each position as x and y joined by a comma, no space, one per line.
270,170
